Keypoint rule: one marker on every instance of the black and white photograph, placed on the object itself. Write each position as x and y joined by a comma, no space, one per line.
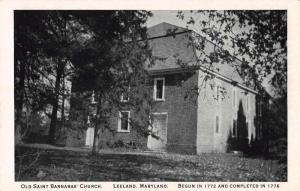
150,95
136,95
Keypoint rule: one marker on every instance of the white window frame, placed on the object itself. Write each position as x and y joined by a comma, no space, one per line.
242,98
163,89
235,98
248,102
122,96
120,122
88,120
217,92
215,123
236,127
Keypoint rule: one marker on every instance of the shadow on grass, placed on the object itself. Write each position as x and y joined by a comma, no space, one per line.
77,166
62,165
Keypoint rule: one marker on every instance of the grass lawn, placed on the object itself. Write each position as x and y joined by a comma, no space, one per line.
62,165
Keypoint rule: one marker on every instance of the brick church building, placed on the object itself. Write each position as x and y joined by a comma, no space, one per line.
195,125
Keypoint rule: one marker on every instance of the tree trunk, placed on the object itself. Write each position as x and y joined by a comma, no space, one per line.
19,104
63,101
95,142
59,72
96,128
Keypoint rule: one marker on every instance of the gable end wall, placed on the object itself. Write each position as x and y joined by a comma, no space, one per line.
208,140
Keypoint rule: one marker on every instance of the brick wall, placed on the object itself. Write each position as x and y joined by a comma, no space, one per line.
191,119
110,137
185,133
182,112
182,117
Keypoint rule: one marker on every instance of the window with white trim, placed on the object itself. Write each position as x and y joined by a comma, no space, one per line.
123,121
159,89
125,96
88,120
218,91
234,98
248,102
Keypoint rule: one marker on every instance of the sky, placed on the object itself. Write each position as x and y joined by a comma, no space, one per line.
164,16
170,17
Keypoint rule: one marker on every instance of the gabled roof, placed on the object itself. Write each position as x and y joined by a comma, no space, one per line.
172,44
163,29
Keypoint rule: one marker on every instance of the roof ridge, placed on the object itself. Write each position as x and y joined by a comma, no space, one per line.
179,27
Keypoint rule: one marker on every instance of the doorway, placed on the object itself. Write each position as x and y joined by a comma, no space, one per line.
158,139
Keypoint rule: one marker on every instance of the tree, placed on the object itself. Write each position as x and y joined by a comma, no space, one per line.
27,54
44,43
257,38
103,49
274,130
113,62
